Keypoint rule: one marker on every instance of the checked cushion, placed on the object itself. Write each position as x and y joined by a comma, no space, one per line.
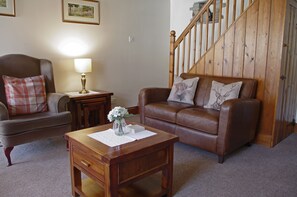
25,95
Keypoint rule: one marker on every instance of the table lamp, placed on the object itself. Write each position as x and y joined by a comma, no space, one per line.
83,65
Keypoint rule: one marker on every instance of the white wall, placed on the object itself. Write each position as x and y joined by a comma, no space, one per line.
118,66
180,14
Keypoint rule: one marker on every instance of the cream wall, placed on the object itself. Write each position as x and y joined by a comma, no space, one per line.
180,14
118,66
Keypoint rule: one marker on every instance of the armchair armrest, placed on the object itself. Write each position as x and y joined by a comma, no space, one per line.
3,112
57,102
237,124
151,95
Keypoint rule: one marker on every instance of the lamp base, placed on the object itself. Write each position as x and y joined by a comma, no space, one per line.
84,91
83,84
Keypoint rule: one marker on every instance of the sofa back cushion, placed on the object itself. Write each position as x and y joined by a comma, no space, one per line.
183,91
248,88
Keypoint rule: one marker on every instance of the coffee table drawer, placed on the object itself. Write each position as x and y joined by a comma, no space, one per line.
88,163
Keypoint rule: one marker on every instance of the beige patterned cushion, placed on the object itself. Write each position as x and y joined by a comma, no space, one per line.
183,90
221,92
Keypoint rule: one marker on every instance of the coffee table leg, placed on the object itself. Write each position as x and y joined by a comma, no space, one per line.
167,174
75,181
111,181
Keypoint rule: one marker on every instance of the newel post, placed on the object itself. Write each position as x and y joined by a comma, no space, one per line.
171,60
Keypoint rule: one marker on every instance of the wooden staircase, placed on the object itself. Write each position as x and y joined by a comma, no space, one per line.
193,49
246,39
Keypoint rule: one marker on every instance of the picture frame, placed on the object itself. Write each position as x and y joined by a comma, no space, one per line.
81,11
7,8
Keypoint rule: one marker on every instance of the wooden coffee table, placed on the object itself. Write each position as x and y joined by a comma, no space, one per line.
126,170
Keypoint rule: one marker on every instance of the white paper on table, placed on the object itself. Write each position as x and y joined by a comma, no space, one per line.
109,138
141,134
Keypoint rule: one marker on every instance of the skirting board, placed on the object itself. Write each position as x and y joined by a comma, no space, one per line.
133,110
264,140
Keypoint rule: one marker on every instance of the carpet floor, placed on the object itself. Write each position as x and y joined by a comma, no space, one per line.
41,169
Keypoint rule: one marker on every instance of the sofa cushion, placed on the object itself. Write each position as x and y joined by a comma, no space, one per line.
248,88
221,92
198,118
25,95
183,90
27,123
165,111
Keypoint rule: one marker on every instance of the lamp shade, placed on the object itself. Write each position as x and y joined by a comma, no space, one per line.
83,65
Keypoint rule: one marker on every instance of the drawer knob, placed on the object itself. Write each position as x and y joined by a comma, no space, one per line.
85,163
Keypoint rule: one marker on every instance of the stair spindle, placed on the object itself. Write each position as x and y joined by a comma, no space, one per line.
195,43
234,11
242,7
213,21
201,32
183,60
178,59
189,49
207,21
227,13
220,17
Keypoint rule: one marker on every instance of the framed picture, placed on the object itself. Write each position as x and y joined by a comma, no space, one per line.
80,11
7,7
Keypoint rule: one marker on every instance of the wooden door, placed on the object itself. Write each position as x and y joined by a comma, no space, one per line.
287,104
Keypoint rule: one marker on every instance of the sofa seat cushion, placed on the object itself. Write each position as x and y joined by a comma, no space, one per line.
165,111
26,123
198,118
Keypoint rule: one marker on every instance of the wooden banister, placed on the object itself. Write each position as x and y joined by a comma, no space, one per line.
192,23
195,41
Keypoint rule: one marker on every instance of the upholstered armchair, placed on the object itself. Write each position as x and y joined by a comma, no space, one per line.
24,128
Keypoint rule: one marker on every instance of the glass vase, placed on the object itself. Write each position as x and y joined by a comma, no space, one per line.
119,127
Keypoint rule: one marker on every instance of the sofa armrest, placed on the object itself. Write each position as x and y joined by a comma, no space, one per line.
151,95
57,102
3,112
237,124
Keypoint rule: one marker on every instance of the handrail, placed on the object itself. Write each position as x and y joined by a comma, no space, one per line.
192,23
194,42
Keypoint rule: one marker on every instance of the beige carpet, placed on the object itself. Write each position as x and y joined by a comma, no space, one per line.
41,169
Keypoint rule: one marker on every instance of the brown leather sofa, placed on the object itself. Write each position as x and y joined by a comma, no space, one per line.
219,132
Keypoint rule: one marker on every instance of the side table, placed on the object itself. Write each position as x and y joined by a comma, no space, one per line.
89,109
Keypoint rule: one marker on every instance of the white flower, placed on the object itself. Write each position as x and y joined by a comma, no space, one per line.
117,113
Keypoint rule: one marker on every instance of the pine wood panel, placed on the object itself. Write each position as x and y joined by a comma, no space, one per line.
209,62
201,66
262,44
251,41
261,51
239,46
228,52
193,70
274,64
219,58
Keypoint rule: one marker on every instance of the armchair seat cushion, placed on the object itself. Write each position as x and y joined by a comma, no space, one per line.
24,123
165,111
200,119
